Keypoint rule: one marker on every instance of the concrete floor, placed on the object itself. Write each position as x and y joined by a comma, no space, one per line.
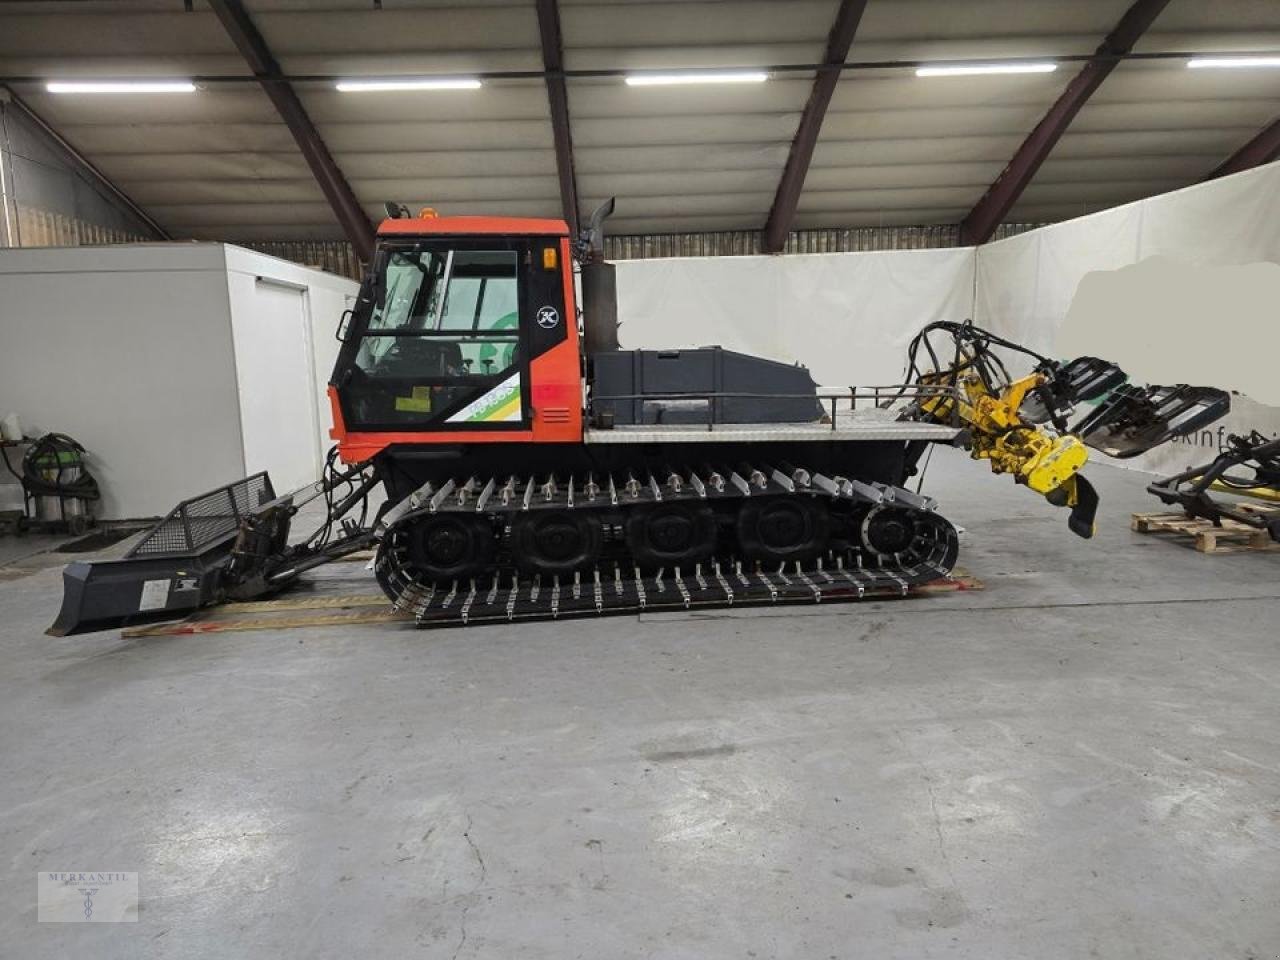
1083,760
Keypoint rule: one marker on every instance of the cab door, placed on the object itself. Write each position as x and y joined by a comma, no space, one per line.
441,342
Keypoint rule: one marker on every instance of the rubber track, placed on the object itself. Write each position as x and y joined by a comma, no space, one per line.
616,588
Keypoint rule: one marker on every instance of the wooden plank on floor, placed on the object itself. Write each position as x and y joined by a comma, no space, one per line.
363,556
196,625
318,602
960,579
286,613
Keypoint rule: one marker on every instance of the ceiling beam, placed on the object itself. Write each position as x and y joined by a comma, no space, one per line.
558,98
990,211
1263,148
787,197
355,224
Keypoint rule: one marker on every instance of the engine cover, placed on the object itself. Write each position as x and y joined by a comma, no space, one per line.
704,385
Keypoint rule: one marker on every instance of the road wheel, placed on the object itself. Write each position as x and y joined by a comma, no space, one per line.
555,542
671,535
782,529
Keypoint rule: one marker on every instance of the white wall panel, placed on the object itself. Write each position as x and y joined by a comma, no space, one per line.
1027,283
846,316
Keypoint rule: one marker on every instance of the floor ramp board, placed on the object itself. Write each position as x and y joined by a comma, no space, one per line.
458,605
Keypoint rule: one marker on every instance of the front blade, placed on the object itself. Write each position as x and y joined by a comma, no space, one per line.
116,593
187,560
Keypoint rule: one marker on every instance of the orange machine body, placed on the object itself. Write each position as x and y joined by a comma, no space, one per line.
556,386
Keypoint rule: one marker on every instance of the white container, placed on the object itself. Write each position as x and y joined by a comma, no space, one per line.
11,428
221,374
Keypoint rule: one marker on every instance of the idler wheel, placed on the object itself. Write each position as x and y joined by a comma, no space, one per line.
555,542
888,530
671,535
782,529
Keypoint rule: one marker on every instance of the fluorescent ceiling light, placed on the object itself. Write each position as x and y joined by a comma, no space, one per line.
407,83
120,86
979,69
1232,62
697,76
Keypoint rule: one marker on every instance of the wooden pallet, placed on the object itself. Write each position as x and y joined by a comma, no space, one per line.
1231,537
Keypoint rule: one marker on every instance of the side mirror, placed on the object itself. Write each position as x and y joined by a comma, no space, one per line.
344,323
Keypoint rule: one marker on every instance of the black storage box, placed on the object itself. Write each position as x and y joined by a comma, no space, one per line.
705,385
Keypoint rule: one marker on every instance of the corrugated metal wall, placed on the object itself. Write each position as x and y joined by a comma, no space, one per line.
41,228
336,256
736,243
47,196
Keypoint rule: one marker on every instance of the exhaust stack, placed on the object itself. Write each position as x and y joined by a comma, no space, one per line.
599,286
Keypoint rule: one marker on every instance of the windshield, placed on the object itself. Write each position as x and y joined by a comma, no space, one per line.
431,292
447,290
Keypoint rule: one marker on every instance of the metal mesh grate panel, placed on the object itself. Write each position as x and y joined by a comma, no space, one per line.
201,521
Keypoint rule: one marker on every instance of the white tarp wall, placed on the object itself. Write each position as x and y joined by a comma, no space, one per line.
1179,288
178,366
846,316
